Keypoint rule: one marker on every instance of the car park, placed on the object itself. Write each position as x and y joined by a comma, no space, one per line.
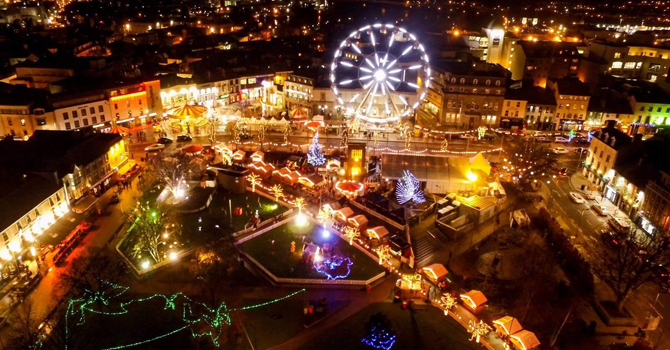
576,197
155,147
600,209
559,150
184,138
164,140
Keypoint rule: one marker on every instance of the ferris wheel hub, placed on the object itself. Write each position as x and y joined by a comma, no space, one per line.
380,75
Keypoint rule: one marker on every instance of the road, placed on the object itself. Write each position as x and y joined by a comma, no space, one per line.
581,219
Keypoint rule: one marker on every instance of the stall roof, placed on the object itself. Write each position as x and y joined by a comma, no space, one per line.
508,325
344,212
525,340
311,179
258,155
474,298
437,270
379,232
358,220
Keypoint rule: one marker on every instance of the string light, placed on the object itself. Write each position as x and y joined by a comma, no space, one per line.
197,321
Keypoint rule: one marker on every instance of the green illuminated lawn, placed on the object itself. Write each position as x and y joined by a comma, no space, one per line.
278,259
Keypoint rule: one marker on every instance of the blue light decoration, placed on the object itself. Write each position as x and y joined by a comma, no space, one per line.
325,233
571,135
590,135
409,189
379,338
328,265
315,156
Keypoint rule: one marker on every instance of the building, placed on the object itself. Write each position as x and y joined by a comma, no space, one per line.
572,99
544,60
602,157
23,111
514,108
540,109
609,106
299,92
80,110
651,111
655,212
465,95
30,204
647,63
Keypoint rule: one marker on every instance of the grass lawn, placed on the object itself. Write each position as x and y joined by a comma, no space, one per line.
214,222
278,259
420,330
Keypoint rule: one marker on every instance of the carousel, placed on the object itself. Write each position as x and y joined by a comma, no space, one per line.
188,119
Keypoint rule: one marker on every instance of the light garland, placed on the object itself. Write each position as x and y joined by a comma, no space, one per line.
380,339
409,189
213,317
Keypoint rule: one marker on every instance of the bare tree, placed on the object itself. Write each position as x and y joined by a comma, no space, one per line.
633,264
533,156
25,332
92,271
537,273
172,171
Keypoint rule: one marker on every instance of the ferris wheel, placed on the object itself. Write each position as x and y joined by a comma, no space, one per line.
380,73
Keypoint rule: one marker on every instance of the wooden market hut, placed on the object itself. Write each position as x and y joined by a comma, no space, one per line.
287,175
378,232
507,325
239,155
257,156
474,300
524,340
311,180
435,273
343,213
262,169
359,221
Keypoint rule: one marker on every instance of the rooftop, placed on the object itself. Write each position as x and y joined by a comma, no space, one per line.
21,194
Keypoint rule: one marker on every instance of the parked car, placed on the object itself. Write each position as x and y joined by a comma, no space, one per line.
467,136
581,150
559,150
600,209
518,133
561,140
576,197
619,225
563,172
542,139
155,147
164,140
184,138
610,239
115,198
590,195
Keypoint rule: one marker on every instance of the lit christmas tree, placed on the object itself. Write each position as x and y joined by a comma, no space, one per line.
409,189
314,156
378,334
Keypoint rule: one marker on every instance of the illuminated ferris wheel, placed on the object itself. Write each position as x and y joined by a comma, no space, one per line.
380,73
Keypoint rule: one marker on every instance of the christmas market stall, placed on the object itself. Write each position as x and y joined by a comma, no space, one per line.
343,213
411,287
378,233
257,156
435,273
238,156
311,180
358,221
524,340
286,175
474,300
507,325
262,169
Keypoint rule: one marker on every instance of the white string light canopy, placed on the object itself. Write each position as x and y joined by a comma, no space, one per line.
376,65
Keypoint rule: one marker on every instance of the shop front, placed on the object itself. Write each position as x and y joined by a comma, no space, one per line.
647,226
611,194
570,124
511,123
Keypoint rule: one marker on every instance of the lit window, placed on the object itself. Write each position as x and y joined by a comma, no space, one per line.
616,65
629,65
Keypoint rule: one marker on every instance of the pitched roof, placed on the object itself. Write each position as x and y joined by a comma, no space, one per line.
24,195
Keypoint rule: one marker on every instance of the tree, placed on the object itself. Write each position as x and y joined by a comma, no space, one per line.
409,189
214,123
214,267
172,171
287,132
378,333
315,156
25,332
537,274
254,180
261,135
150,221
351,233
91,272
300,204
278,191
633,264
531,156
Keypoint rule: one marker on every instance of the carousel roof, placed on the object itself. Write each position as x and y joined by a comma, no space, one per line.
118,130
188,111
